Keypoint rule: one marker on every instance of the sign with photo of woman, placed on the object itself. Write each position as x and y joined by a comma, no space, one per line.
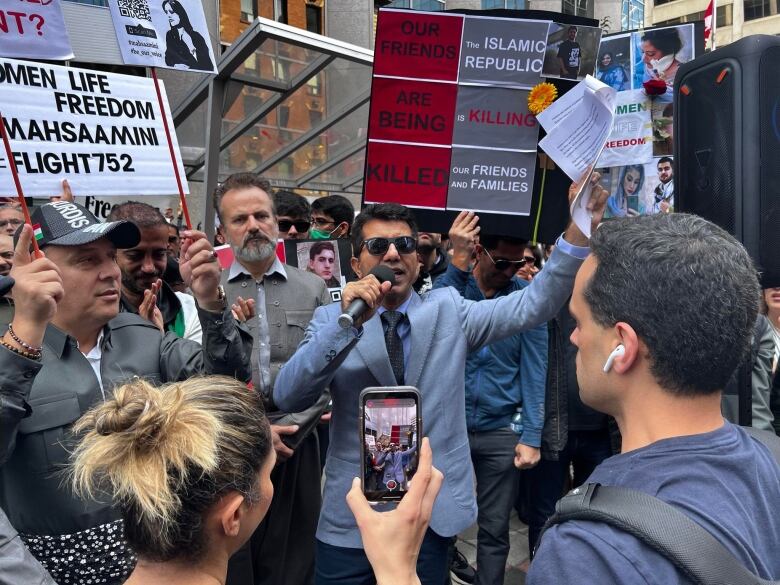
163,33
642,66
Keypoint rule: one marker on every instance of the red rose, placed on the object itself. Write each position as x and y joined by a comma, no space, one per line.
655,87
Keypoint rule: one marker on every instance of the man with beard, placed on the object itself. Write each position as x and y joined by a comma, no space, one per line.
500,378
664,191
143,290
282,548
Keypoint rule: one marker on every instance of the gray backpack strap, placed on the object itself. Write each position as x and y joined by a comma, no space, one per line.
770,440
692,549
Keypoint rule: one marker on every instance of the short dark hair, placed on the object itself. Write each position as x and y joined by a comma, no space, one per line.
665,159
666,40
141,214
239,181
491,242
653,273
291,204
572,27
382,212
337,207
319,247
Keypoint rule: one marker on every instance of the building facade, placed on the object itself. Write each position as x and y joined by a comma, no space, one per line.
735,18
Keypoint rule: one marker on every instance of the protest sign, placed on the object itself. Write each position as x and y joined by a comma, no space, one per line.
449,126
631,138
33,29
171,33
102,131
328,259
643,126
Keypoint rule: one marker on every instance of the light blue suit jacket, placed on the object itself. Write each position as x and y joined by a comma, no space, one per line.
445,327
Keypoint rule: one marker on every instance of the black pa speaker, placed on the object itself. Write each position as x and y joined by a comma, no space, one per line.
727,145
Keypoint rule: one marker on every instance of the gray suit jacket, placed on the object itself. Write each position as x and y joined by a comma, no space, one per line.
444,328
289,306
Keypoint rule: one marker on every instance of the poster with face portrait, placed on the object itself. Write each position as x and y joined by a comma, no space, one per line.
163,33
640,189
571,51
327,259
643,131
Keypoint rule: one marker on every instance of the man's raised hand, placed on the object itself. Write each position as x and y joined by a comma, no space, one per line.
36,293
464,235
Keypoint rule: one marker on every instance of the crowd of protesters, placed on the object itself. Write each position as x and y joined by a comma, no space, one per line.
164,420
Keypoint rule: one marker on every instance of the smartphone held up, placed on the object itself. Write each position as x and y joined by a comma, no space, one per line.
390,432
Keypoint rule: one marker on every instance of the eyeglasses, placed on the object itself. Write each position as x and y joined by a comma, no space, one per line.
502,264
13,222
321,222
529,259
380,246
300,226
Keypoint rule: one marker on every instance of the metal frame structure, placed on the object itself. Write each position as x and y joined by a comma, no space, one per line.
214,91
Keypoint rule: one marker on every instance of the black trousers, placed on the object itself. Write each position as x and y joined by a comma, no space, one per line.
281,551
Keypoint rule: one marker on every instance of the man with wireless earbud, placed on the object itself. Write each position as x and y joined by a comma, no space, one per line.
402,338
665,307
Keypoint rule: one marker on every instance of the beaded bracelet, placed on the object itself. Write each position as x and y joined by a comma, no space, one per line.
26,346
28,354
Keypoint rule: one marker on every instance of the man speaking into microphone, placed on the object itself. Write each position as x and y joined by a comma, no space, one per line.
405,339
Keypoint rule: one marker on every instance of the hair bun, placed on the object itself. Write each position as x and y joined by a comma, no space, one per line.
135,408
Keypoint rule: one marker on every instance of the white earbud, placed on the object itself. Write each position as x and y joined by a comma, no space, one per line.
616,353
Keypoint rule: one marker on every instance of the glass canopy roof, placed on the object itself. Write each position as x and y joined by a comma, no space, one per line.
287,104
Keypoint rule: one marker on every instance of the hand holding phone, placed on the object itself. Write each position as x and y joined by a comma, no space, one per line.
392,539
390,428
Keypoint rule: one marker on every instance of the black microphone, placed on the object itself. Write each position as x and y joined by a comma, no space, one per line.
358,306
6,284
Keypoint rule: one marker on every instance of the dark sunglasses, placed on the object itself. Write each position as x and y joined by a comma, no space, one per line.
503,264
300,226
380,246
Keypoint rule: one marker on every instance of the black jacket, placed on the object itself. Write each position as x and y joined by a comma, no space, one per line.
177,53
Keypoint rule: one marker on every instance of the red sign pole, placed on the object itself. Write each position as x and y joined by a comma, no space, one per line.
172,151
19,193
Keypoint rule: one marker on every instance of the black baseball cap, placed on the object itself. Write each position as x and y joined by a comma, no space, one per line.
63,223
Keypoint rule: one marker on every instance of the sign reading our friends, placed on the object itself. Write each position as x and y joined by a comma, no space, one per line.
449,126
33,29
103,131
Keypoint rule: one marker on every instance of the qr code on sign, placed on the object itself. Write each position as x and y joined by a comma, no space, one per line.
135,9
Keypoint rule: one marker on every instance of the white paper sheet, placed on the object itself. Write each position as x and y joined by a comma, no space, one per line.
578,125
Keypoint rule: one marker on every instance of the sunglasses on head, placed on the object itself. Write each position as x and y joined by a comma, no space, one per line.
502,264
380,246
300,226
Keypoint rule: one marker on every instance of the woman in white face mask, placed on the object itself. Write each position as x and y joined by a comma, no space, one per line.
659,55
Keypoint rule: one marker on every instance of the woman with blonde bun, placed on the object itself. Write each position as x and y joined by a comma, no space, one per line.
189,467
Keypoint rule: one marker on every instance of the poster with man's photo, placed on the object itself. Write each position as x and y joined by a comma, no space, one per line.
571,51
163,33
639,189
328,259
